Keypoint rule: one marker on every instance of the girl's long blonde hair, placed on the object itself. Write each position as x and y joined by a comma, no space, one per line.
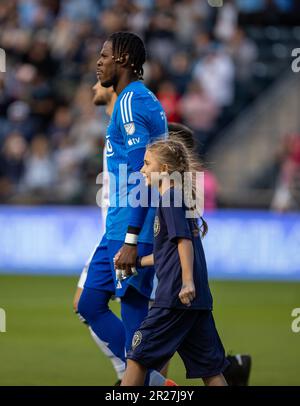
179,158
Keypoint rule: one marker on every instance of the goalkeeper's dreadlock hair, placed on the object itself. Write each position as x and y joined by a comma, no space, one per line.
129,43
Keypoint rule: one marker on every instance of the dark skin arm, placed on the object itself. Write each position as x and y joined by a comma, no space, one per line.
126,258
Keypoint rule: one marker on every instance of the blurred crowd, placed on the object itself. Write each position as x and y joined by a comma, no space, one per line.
51,135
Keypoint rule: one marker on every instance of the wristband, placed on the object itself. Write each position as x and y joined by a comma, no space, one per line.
131,239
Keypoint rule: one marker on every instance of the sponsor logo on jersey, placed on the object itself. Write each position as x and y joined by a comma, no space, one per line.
133,141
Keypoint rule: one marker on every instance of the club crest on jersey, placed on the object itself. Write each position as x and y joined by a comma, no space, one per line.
137,339
129,128
156,226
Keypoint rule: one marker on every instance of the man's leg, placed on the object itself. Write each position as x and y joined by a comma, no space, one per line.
76,299
81,283
106,328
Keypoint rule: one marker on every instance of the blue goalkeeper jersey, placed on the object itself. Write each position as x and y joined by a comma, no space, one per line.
137,120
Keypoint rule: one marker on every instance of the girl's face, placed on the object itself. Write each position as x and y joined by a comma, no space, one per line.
151,169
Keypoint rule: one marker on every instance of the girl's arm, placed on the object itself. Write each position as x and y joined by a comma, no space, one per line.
148,260
186,255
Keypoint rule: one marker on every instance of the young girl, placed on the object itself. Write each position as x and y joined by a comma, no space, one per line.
180,318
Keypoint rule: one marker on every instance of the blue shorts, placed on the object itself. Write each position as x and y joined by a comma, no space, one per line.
101,274
192,333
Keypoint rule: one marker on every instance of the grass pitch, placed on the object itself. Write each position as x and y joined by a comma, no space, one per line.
46,344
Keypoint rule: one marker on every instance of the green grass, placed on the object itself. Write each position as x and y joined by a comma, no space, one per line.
45,344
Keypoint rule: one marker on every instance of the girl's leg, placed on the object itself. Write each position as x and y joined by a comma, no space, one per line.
217,380
134,309
135,374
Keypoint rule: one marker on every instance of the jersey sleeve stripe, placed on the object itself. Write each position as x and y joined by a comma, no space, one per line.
129,107
125,107
122,109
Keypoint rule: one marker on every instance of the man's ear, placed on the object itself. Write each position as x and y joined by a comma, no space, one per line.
124,58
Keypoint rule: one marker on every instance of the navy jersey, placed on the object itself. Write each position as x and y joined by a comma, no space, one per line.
171,224
137,120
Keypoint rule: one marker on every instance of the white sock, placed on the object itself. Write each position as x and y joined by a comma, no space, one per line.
118,364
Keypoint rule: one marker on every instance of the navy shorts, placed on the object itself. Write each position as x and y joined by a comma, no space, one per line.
192,333
101,274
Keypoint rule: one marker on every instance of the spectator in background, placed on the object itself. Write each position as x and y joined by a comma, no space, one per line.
180,71
40,172
23,84
284,5
12,158
169,97
190,14
112,21
251,6
19,120
287,193
39,55
211,189
226,23
160,36
244,53
138,18
35,14
202,43
199,112
62,39
154,75
67,163
42,102
61,125
215,74
86,129
78,10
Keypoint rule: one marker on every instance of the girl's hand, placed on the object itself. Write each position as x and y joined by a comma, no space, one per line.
187,293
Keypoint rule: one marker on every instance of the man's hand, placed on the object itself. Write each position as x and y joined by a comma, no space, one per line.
126,258
187,293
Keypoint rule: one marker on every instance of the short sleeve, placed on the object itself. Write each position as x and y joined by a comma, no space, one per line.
175,219
134,122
